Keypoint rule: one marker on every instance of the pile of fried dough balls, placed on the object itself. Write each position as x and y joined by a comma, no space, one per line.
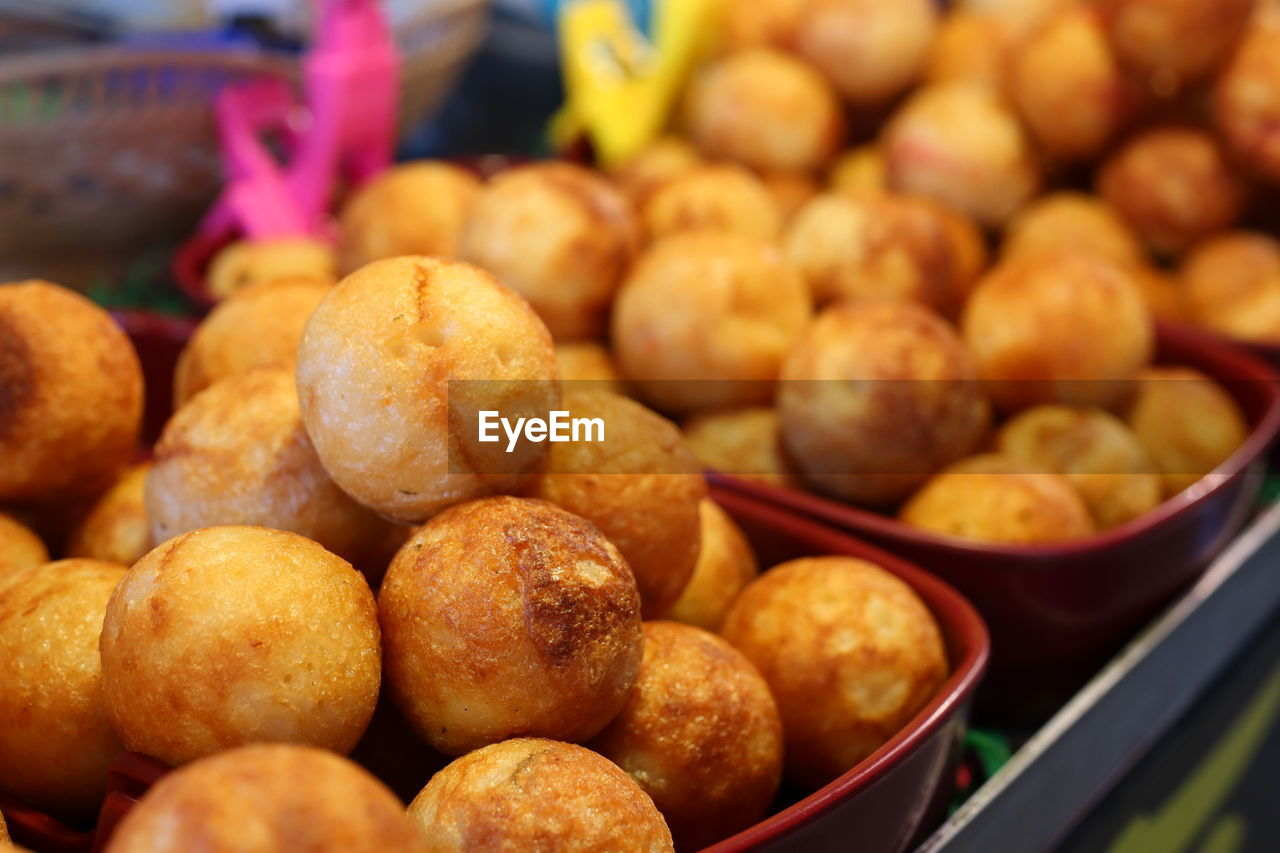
569,646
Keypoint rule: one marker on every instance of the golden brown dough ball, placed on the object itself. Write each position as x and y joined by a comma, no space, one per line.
1058,328
700,734
1000,499
1095,451
1232,285
243,264
850,653
969,253
415,208
234,635
1187,422
720,197
859,170
744,442
1067,86
970,47
726,564
1072,222
760,23
1173,186
1162,292
790,190
641,486
871,50
1246,97
71,398
507,616
20,547
238,453
259,326
878,246
4,832
877,397
659,161
1175,42
705,318
268,798
116,529
55,741
378,383
765,109
535,794
963,146
588,365
1019,17
559,235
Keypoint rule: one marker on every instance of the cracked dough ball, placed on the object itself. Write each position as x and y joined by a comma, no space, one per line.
116,528
244,264
719,196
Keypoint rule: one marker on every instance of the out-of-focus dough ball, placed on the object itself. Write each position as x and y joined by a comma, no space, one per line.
1187,422
700,733
1067,86
70,393
859,170
765,109
243,264
874,247
1162,292
559,235
55,741
746,443
1173,186
658,162
535,794
1019,17
116,529
1232,285
726,564
969,254
705,319
1000,499
963,146
790,190
378,373
233,635
1058,328
1072,222
20,547
719,197
1095,451
588,365
641,486
1175,42
877,397
1246,97
238,453
871,50
260,326
970,48
850,653
415,208
507,616
266,798
760,23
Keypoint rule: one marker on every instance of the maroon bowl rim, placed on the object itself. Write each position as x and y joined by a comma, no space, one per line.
1231,358
950,608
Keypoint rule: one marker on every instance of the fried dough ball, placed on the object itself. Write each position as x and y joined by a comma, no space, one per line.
1175,42
244,263
1058,328
744,442
658,162
588,365
1232,285
415,208
377,383
259,326
55,741
238,453
859,170
970,48
760,23
1187,422
1000,499
700,734
4,832
20,547
790,190
641,486
719,197
233,635
116,529
535,794
1246,98
267,798
705,318
1095,451
1067,87
1072,222
70,394
877,397
850,653
963,146
871,50
559,235
726,564
1019,17
507,616
1162,292
968,247
765,109
874,247
1173,186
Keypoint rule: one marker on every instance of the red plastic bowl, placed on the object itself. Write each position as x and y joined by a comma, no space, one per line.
1053,606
